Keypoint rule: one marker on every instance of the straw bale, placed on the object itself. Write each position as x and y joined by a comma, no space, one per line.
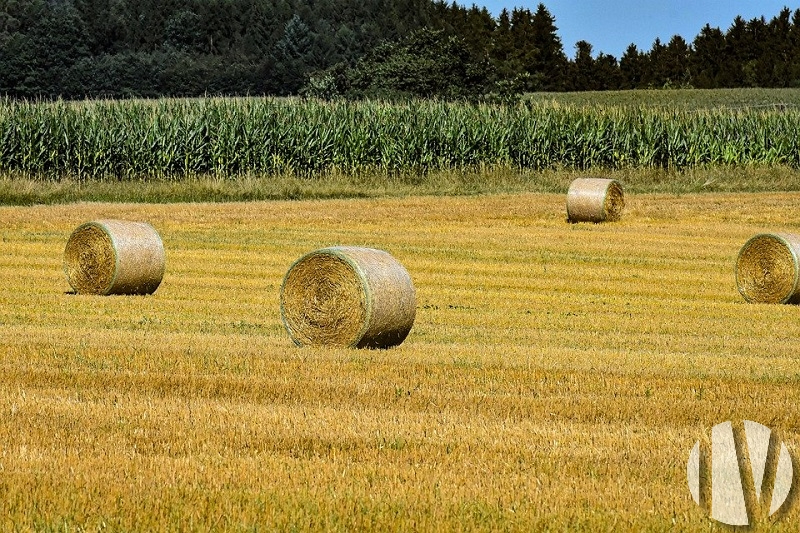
768,270
114,257
595,200
348,296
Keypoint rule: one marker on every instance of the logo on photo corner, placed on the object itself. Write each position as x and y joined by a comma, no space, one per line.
769,463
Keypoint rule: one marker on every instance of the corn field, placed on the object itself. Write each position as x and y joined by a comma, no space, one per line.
173,139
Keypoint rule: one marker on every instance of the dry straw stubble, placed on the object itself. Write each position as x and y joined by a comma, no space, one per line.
595,200
768,269
348,296
114,257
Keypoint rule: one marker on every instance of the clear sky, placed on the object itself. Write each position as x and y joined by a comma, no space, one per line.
610,26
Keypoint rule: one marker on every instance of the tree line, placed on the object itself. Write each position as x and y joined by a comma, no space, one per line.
355,48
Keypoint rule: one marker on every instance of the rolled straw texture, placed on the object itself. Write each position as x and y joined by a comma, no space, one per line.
114,257
348,296
595,200
768,270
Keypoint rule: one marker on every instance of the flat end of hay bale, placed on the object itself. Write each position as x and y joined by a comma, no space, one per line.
349,297
114,257
323,301
90,259
595,200
767,269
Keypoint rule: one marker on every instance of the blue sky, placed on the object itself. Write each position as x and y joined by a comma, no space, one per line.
610,26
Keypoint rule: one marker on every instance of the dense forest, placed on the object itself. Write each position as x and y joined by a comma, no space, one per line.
356,48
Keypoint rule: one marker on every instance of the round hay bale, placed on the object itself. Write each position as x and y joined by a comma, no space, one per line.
348,296
114,257
595,200
768,270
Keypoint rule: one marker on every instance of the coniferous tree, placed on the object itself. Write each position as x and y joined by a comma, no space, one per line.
735,55
707,61
632,68
654,66
503,46
478,32
793,73
675,63
606,73
295,56
757,68
550,60
523,56
778,53
583,68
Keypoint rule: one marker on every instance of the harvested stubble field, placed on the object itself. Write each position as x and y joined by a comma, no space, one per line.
556,377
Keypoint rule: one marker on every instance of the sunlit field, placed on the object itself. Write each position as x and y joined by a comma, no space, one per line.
556,376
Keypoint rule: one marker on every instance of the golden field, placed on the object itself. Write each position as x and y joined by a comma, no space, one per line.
556,377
